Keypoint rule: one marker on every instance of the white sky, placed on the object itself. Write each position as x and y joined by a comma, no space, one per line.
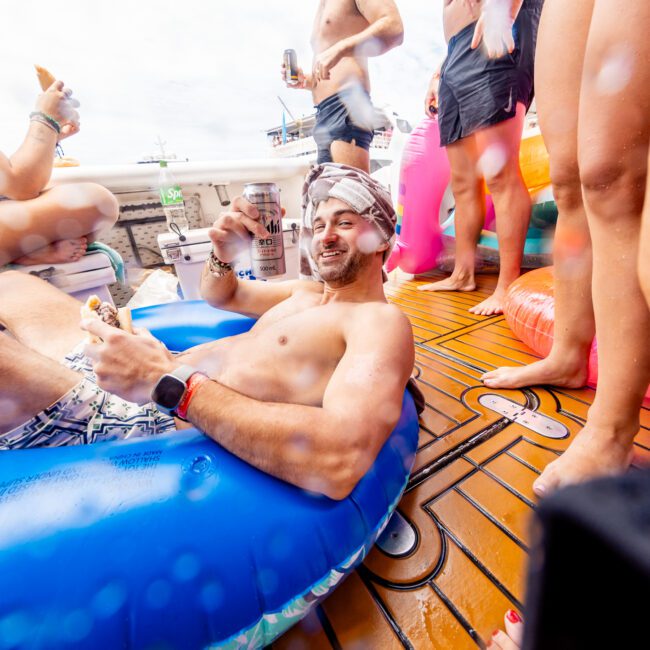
201,73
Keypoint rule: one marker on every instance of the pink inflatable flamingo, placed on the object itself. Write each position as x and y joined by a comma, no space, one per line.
424,177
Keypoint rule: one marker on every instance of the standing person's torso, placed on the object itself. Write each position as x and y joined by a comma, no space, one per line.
335,20
457,14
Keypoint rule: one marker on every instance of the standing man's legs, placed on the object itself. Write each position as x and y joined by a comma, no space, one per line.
493,153
467,186
563,32
498,146
614,128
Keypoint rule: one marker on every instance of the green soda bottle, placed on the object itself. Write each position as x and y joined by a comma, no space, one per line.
171,198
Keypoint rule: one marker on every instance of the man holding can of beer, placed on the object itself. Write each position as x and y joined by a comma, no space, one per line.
310,394
345,34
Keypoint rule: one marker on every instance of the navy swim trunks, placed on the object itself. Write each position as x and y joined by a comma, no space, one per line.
345,116
476,91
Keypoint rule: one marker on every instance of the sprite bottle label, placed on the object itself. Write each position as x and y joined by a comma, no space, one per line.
171,195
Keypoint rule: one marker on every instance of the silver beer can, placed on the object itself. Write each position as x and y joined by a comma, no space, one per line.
290,67
267,254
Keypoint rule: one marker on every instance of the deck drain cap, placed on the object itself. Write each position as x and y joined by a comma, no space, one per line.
537,422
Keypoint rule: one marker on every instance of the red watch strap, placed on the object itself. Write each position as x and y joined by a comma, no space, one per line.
193,383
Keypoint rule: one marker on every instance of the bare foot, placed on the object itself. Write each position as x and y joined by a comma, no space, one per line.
490,306
562,372
512,638
65,250
455,282
596,451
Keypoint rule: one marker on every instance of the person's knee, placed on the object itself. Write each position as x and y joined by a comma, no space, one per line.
14,283
612,187
91,205
102,201
567,189
465,183
503,178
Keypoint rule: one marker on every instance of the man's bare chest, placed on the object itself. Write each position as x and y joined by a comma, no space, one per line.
336,19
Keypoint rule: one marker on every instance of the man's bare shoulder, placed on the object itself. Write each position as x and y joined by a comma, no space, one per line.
380,317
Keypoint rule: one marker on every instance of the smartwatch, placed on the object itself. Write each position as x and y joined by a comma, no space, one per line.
170,388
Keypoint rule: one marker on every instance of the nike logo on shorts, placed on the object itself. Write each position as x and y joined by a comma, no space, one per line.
508,108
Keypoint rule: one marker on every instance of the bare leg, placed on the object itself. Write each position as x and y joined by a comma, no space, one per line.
563,34
644,248
29,383
613,165
44,323
64,213
39,316
347,153
511,202
467,186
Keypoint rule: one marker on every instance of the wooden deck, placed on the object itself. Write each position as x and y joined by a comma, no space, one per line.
456,560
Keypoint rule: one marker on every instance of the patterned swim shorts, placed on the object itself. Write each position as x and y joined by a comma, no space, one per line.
86,414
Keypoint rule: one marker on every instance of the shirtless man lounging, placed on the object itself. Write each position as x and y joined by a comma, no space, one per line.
39,226
345,34
309,395
485,89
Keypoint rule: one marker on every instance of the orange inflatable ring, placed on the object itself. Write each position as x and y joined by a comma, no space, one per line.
530,313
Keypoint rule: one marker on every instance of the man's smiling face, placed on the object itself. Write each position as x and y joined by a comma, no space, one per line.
343,241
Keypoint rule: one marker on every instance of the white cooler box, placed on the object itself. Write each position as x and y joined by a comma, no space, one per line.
90,275
188,257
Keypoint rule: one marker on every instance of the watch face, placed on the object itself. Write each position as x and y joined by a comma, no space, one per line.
168,391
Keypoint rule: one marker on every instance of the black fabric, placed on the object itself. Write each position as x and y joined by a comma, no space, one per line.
589,575
344,116
476,91
417,395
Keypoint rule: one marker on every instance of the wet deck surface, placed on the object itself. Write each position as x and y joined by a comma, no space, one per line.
458,557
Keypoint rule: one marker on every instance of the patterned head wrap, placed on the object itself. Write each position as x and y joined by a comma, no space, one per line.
363,194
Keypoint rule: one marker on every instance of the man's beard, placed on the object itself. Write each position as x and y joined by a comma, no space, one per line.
346,271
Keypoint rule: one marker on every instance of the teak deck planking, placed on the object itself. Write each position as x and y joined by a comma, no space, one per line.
469,499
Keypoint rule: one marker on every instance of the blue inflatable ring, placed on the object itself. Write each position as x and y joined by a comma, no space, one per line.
173,542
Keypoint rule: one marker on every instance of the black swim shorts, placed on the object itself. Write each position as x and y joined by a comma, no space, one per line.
476,91
346,116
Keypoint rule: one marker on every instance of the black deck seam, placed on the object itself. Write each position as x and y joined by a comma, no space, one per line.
328,628
496,354
524,462
510,489
422,348
455,612
449,357
503,345
491,518
554,389
435,410
448,314
421,303
453,454
573,417
495,581
443,392
367,579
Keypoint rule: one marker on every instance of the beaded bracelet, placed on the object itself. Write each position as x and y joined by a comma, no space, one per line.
44,118
217,268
